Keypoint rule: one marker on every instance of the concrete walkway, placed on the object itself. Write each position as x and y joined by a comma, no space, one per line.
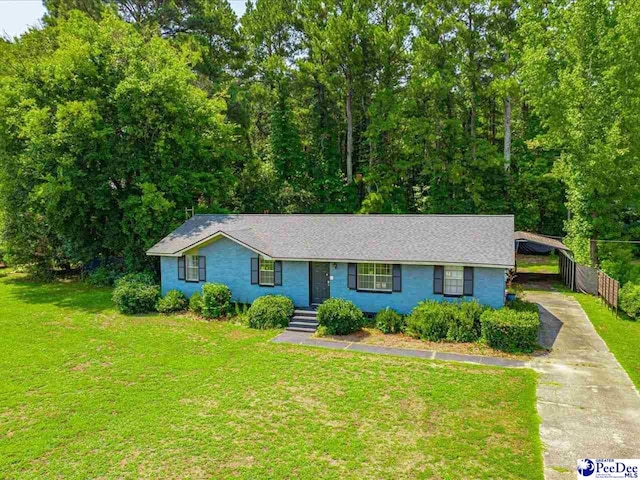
303,338
588,405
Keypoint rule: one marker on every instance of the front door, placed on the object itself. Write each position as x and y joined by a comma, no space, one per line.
319,282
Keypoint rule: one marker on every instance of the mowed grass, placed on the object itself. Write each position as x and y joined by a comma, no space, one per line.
621,334
537,263
86,392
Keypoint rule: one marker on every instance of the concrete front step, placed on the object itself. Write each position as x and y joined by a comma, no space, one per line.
303,321
301,329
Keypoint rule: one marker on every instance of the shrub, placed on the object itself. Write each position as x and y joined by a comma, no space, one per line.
510,330
340,317
144,278
389,321
430,320
173,301
195,303
216,300
520,305
135,297
464,322
270,311
630,299
103,276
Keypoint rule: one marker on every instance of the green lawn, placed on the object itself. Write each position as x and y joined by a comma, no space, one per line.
621,334
86,392
537,263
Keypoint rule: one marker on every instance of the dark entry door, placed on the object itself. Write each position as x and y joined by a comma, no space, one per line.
319,282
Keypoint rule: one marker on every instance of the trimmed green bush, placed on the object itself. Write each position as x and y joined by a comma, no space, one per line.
430,320
510,330
270,311
464,322
196,303
173,301
389,321
340,317
216,300
630,299
136,293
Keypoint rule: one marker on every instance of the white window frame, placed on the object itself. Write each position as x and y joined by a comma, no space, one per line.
374,281
190,267
453,282
266,276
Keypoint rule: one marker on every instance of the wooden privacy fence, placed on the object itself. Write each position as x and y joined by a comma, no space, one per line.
608,289
581,278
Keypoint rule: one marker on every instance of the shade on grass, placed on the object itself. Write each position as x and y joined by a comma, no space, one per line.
86,392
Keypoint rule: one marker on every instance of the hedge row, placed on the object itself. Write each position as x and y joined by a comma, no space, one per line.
511,330
436,321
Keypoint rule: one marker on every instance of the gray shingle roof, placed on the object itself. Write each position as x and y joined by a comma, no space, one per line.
455,239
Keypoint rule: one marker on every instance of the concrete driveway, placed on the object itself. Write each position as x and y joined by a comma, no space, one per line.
587,403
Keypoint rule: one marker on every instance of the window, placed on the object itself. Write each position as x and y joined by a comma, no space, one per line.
375,276
267,272
453,280
192,273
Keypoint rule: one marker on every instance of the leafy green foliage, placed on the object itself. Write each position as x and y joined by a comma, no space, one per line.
340,317
429,320
173,301
452,321
464,324
389,321
511,330
196,303
104,140
136,293
216,300
630,299
270,311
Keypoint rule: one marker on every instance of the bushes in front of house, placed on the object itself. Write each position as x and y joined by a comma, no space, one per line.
136,293
511,330
437,321
389,321
630,299
216,300
465,325
196,303
270,311
173,301
340,317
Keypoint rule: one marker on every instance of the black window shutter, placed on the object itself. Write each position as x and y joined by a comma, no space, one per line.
277,272
438,279
468,281
180,268
202,268
352,276
254,271
397,278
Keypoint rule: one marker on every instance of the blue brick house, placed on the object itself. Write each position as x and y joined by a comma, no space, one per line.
376,261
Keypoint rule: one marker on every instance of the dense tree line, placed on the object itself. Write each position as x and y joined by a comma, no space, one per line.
121,113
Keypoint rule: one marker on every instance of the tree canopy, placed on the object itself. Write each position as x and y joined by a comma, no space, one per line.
119,115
